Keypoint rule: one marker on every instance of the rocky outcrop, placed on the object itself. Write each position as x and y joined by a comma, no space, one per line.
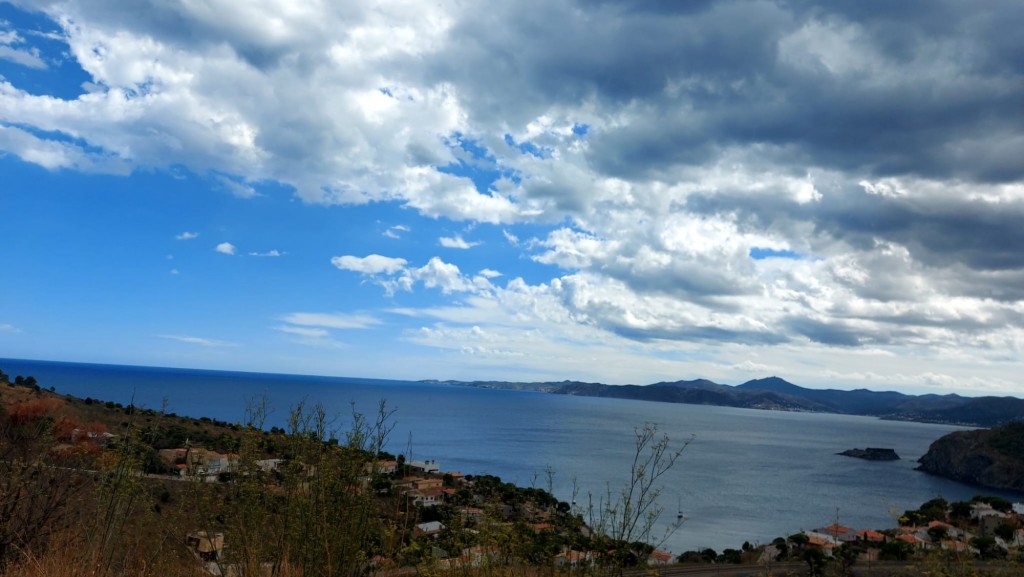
872,454
991,458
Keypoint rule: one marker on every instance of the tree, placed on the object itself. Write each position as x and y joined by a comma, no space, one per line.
816,560
630,515
937,533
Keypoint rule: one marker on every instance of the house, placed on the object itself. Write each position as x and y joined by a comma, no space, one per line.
659,557
430,466
199,462
472,514
571,558
382,467
429,529
840,533
426,497
421,484
917,542
870,536
822,541
207,547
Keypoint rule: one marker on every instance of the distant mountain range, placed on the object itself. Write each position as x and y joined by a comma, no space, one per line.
777,394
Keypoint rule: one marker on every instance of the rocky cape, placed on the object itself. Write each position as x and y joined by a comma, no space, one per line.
774,393
992,458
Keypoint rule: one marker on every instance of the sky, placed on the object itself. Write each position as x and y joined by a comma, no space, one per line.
597,190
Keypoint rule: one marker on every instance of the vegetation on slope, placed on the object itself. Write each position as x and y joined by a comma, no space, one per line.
85,490
986,457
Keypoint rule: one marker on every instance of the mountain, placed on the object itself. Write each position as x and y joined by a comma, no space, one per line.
775,393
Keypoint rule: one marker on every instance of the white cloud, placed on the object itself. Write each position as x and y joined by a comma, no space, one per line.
331,320
641,181
457,242
187,235
370,265
175,271
439,274
270,253
56,154
396,231
238,189
303,331
9,328
28,57
197,341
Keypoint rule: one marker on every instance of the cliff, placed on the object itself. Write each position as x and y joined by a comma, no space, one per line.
987,457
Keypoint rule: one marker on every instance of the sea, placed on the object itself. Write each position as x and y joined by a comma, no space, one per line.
744,475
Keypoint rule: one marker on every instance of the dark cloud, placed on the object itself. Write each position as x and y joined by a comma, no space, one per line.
827,333
940,232
709,334
932,90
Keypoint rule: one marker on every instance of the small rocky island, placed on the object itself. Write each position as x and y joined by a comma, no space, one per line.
872,454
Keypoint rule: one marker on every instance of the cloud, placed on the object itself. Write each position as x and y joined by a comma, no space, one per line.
331,320
457,242
648,155
187,235
439,274
55,154
28,57
396,231
9,328
226,248
303,331
213,343
238,189
369,265
488,273
269,253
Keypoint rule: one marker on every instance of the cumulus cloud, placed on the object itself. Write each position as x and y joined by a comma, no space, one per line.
187,235
457,242
369,265
226,248
644,152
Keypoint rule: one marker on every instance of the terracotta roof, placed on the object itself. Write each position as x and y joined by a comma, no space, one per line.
835,528
869,535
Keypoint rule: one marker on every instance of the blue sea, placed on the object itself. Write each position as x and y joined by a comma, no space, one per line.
746,475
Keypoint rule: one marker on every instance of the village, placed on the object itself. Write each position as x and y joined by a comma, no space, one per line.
445,503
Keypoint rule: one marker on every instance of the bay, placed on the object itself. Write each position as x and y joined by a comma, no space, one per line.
746,475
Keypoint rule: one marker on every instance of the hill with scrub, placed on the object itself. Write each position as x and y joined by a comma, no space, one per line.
992,458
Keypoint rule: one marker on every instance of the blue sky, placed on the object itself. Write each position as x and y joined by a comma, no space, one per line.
537,191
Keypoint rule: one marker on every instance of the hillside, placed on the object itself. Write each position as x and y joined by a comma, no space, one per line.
774,393
991,458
